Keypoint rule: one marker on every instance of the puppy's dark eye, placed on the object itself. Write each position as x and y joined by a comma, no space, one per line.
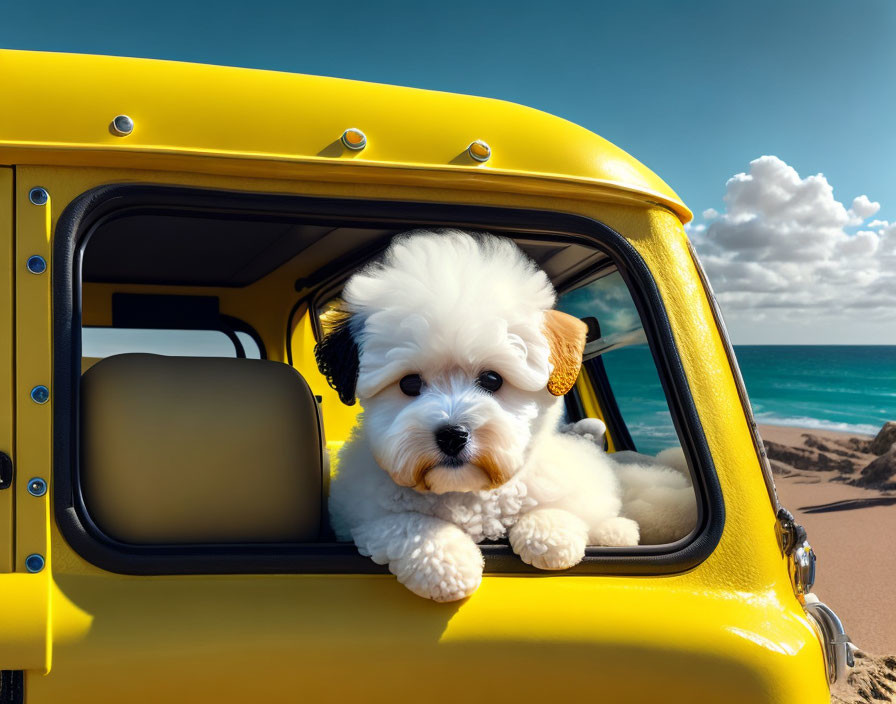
490,381
411,384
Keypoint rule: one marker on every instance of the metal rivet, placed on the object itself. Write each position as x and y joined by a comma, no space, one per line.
40,394
38,196
479,150
122,126
354,138
37,486
36,264
34,562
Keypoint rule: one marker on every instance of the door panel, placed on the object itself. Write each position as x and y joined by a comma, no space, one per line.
365,638
7,394
27,645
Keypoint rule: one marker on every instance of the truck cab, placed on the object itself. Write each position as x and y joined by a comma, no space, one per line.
172,236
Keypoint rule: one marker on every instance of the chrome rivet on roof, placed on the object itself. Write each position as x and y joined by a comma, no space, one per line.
38,196
34,562
36,264
40,394
122,125
479,150
37,486
354,139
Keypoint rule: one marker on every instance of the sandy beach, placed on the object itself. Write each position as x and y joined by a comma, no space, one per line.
853,531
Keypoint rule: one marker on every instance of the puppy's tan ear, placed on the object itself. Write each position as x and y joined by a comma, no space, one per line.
566,335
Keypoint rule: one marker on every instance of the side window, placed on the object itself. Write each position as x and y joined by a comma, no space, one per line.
620,365
97,342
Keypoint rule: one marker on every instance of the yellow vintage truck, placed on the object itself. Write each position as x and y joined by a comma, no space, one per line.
170,236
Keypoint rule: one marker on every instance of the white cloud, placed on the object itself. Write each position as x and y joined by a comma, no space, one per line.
710,214
782,262
862,208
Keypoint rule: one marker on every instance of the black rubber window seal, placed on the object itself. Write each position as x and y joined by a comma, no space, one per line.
88,540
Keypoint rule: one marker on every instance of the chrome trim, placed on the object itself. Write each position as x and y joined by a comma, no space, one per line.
791,532
838,649
800,555
738,378
804,568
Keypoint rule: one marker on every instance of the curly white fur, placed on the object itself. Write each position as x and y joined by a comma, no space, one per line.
448,306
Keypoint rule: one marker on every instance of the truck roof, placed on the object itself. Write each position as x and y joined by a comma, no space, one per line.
59,108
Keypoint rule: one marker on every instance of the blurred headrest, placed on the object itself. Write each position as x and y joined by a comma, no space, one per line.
200,450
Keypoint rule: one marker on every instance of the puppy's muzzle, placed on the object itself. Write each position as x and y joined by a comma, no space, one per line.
452,439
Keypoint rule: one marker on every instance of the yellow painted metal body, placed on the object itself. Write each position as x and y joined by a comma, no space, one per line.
730,629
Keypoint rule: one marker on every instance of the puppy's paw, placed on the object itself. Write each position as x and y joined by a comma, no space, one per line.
616,532
549,539
443,565
592,429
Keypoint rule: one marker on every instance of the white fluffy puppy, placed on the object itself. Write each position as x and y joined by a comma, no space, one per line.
451,344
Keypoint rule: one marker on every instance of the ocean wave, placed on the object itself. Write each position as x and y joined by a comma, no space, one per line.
651,431
818,424
862,389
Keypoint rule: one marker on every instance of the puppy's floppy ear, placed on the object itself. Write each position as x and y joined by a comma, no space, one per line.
337,354
566,336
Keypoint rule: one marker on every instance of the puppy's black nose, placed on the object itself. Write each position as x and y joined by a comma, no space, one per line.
451,439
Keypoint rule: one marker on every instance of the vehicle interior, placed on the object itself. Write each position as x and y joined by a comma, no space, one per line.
195,434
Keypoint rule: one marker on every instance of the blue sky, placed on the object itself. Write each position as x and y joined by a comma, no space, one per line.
695,90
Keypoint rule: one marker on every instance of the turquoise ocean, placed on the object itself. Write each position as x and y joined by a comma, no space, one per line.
845,388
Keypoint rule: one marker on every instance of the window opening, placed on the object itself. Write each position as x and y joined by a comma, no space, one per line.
621,366
100,342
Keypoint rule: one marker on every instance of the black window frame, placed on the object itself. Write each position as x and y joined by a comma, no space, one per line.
87,211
